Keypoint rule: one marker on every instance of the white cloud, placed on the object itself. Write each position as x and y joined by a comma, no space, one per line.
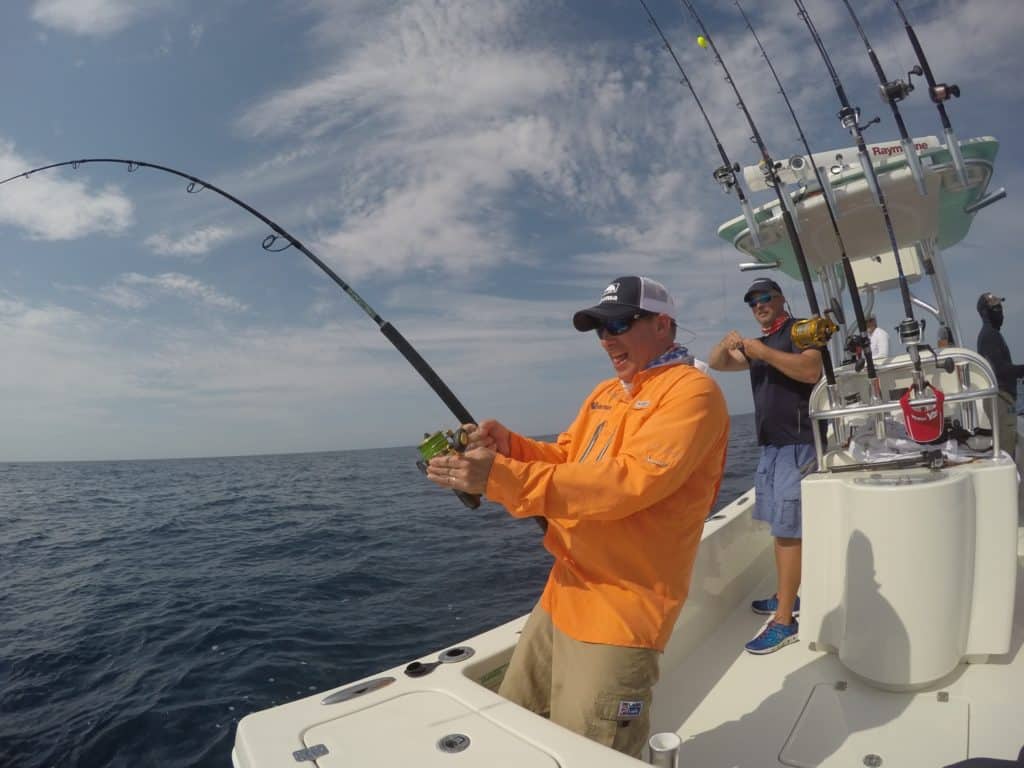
52,208
423,54
134,291
435,143
94,18
87,385
196,243
195,34
452,121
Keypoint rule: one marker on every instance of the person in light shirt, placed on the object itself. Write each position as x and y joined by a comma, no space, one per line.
879,339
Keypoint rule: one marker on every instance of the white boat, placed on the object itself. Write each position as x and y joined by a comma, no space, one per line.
912,627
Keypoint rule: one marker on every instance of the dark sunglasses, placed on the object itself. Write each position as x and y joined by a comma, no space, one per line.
761,298
619,326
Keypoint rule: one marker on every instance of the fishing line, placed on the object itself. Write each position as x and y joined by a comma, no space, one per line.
849,117
726,174
851,280
270,243
820,329
893,92
939,93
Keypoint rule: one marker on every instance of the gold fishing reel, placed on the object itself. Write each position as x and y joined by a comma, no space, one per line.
812,333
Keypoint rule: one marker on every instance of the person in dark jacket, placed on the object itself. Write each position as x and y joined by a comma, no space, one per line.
992,346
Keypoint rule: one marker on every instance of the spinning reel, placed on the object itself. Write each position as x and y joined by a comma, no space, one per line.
445,444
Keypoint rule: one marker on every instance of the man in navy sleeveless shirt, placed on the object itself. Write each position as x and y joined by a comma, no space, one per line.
781,377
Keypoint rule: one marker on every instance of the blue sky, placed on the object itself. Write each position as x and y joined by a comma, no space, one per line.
476,170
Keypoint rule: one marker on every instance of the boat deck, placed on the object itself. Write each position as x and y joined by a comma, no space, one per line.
799,706
795,707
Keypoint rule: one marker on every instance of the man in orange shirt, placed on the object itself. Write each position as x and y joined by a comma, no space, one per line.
625,490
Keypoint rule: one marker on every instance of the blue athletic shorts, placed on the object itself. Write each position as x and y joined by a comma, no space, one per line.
777,487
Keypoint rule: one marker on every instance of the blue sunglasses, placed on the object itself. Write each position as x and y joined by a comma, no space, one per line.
619,326
761,298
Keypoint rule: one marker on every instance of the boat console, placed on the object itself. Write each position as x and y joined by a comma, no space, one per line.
910,550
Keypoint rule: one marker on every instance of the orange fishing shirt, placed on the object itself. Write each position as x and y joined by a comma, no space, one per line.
625,491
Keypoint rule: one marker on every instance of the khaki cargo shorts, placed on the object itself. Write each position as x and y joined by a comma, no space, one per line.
602,692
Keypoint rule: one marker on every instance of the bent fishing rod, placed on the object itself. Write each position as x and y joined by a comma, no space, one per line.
939,93
851,280
196,185
893,92
819,329
849,117
726,175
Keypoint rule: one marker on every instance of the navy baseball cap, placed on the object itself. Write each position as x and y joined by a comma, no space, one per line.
760,285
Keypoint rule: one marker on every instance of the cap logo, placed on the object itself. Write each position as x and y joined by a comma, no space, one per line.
611,293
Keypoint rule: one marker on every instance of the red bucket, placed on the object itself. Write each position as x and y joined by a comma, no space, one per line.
924,423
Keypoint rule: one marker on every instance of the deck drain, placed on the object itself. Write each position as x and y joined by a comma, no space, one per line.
453,742
458,653
872,761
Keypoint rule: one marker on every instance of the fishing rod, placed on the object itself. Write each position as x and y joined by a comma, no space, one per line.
851,280
939,93
726,174
849,117
893,92
196,185
818,330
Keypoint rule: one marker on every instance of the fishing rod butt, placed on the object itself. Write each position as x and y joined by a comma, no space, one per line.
471,500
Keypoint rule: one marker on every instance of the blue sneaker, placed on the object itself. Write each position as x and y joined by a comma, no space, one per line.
773,637
769,606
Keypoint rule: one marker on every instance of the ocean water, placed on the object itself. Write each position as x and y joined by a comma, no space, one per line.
146,606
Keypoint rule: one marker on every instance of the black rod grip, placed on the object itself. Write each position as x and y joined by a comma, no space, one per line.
429,374
471,500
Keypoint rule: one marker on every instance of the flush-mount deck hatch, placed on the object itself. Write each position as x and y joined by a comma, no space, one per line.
844,725
427,729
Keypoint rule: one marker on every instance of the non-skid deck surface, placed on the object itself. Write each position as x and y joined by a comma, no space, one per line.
798,707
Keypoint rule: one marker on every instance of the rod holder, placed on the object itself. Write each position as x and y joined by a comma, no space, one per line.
953,145
755,266
828,192
663,750
986,201
914,164
790,206
752,226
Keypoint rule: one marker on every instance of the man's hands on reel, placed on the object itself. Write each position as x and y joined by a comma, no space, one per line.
468,471
489,434
753,349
